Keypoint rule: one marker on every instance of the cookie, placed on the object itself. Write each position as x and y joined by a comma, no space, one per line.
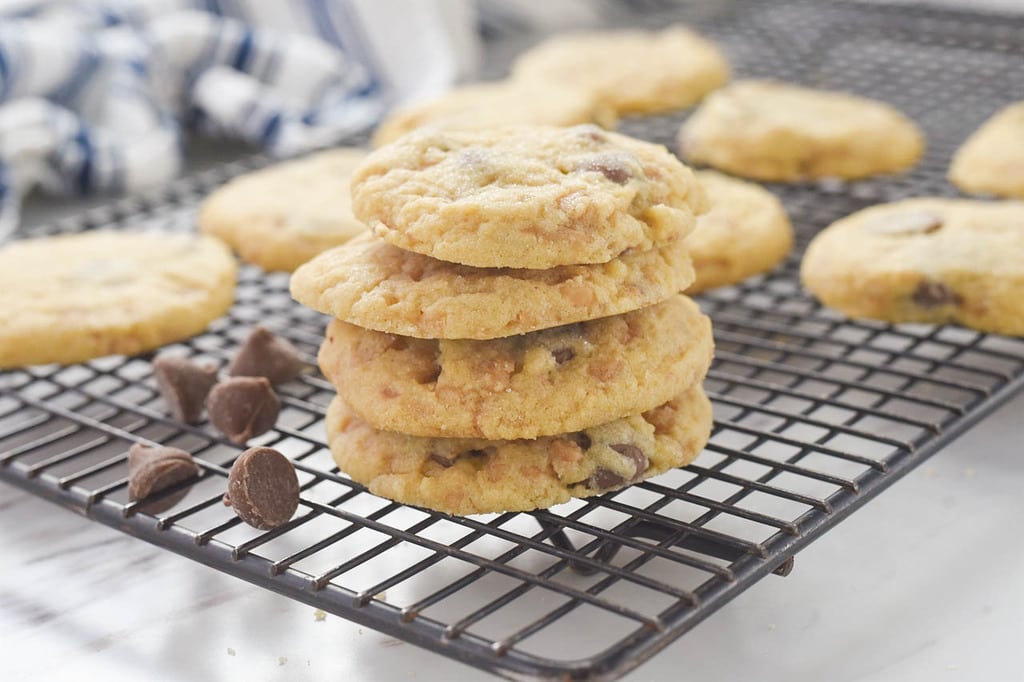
780,132
280,217
473,476
75,297
633,72
991,161
925,260
489,105
538,384
377,286
745,233
525,196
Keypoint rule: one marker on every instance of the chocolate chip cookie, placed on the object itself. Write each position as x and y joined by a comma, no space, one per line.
925,260
281,216
991,161
781,132
377,286
745,233
538,384
473,476
75,297
525,196
634,72
489,105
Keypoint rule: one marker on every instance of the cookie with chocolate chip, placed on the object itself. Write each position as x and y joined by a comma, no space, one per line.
75,297
538,384
746,233
774,131
991,161
475,476
281,216
525,196
375,285
925,260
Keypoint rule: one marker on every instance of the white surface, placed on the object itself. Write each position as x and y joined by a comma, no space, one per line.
925,583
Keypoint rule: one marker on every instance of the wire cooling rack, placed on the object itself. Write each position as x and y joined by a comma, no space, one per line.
815,414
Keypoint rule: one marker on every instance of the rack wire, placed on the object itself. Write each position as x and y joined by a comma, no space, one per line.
814,414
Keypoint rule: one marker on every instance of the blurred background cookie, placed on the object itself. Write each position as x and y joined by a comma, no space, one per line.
281,216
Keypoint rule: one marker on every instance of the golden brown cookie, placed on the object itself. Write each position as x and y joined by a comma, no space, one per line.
991,161
780,132
473,476
377,286
538,384
75,297
745,233
525,196
281,216
632,71
925,260
490,105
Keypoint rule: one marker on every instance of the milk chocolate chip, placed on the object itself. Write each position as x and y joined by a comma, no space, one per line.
243,407
609,166
184,385
152,469
264,354
263,488
932,294
606,479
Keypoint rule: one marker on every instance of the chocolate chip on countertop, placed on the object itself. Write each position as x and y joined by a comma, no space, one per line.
263,488
152,469
264,354
184,385
243,407
932,294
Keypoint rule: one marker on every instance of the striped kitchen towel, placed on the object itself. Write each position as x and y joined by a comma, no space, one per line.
96,95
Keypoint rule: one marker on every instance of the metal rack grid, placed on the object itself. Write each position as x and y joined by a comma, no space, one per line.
815,414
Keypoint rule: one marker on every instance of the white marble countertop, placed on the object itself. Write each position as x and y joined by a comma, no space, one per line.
924,583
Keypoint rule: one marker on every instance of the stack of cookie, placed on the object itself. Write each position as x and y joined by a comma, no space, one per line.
510,334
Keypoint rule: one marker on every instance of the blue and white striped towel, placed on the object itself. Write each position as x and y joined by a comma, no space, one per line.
96,95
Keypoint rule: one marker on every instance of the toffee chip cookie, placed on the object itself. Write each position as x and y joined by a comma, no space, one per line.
489,105
991,161
925,260
538,384
71,298
473,476
526,196
634,72
780,132
370,283
746,233
281,216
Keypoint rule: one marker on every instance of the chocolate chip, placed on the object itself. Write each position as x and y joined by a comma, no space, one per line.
183,385
905,223
604,479
581,439
243,407
592,132
932,294
152,469
563,355
263,488
441,460
264,354
609,166
475,453
635,454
